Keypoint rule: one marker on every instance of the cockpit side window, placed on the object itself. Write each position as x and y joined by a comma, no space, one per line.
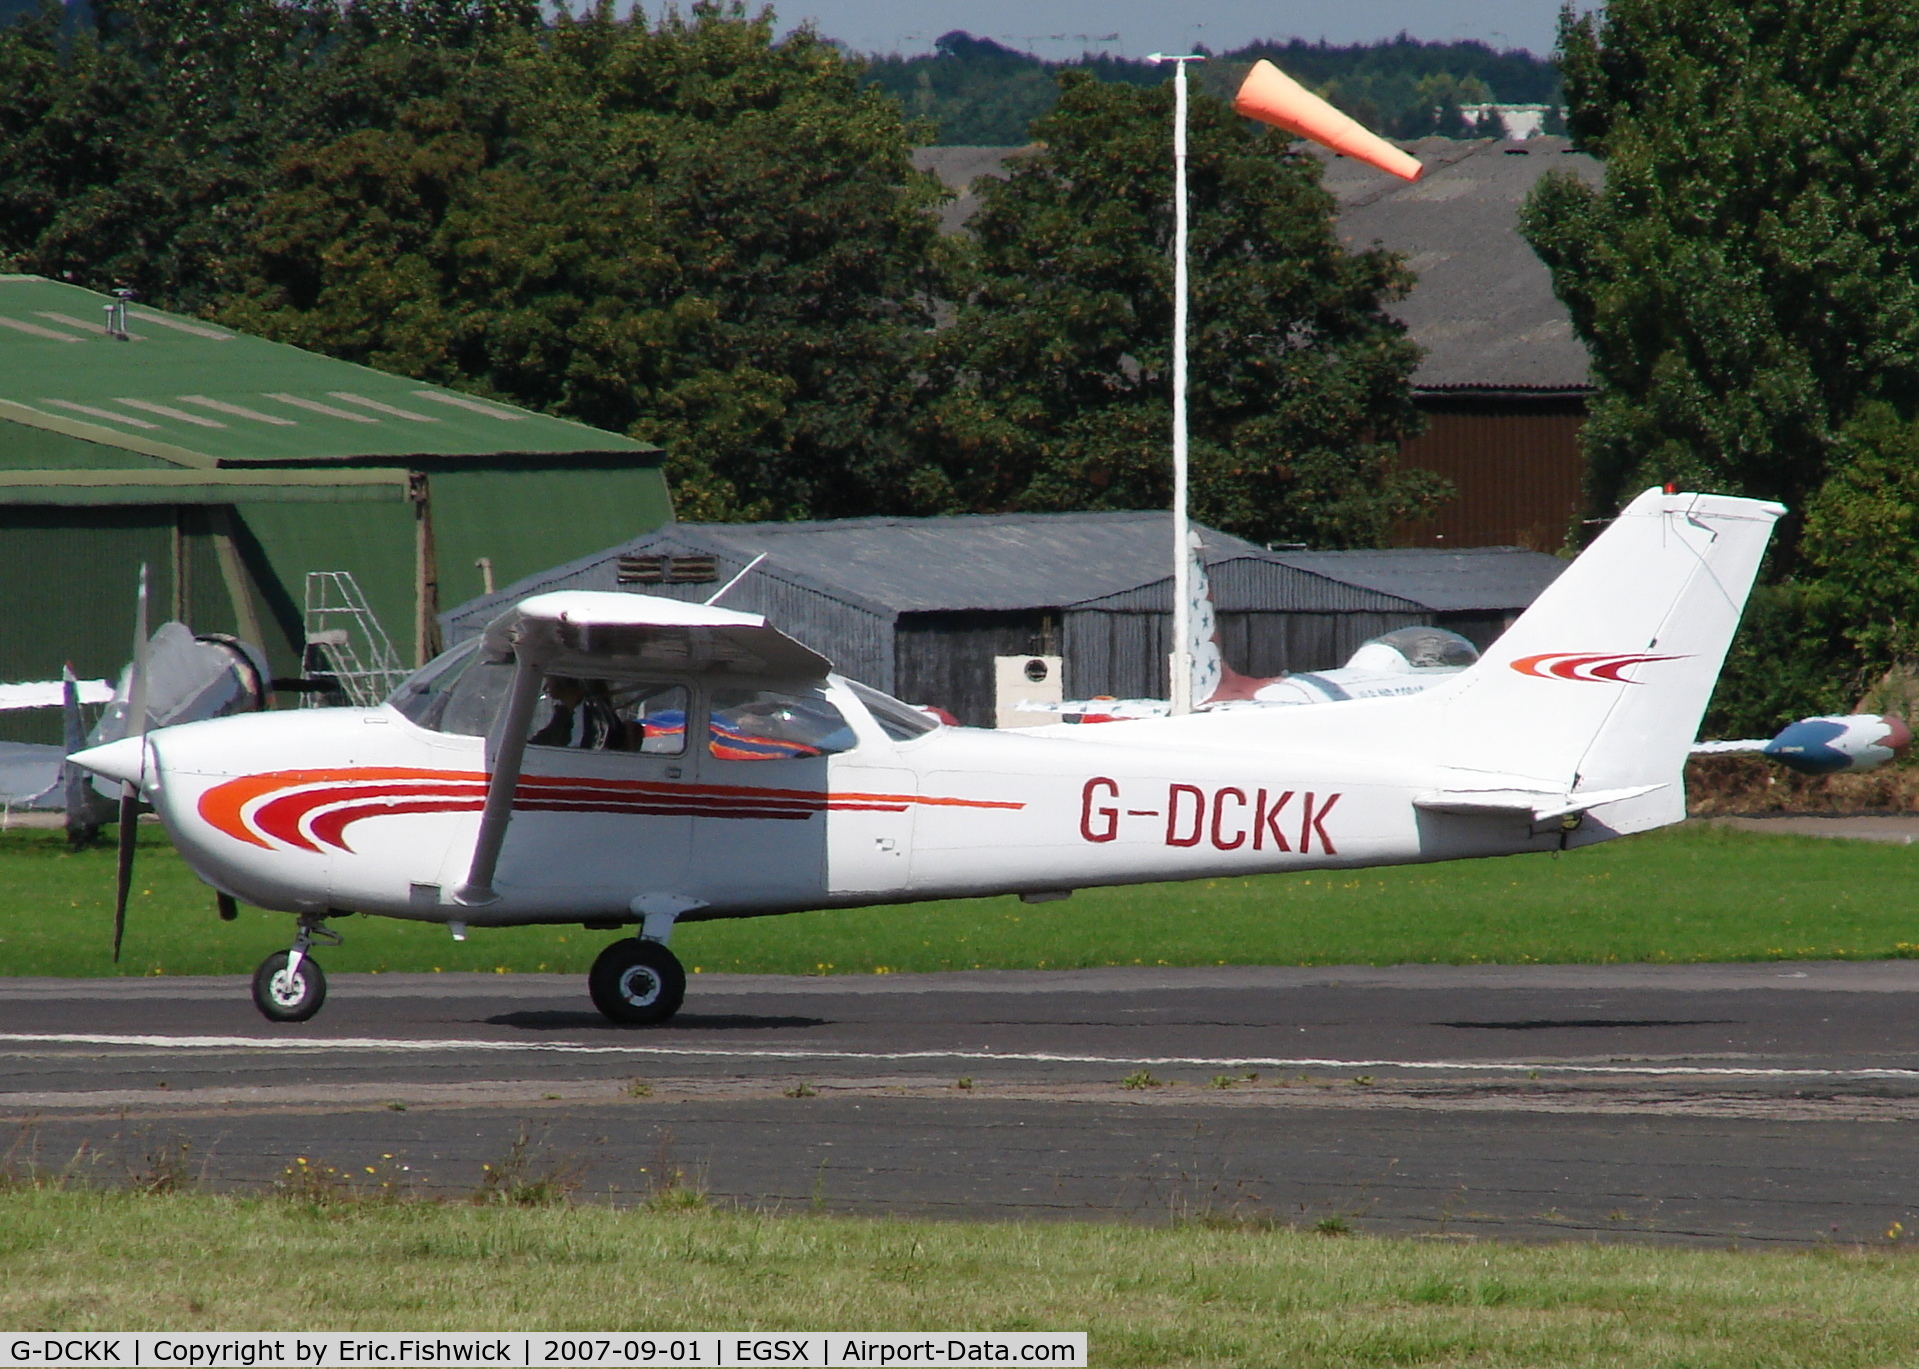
902,722
611,715
765,725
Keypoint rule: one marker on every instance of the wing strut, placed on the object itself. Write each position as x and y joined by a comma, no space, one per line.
508,752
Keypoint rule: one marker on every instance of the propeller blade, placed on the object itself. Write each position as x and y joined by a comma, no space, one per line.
137,682
129,792
129,831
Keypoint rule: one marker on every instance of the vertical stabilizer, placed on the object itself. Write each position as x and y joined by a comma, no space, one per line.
1601,684
1202,628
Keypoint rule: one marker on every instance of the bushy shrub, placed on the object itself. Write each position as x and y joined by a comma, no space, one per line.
1792,658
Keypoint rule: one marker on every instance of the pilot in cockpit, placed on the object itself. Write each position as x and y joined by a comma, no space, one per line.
583,716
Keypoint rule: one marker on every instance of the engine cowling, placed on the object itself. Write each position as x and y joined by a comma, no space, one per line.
1835,745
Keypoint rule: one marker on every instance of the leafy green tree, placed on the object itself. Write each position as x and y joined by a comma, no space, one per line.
1862,532
1435,108
125,149
1388,73
1749,275
1844,631
1054,376
977,91
684,230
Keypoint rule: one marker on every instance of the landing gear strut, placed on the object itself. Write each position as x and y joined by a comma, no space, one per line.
289,986
637,982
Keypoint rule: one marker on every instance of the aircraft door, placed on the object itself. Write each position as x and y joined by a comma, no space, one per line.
602,814
760,837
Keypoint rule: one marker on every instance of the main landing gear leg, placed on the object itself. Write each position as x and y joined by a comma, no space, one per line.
289,986
637,982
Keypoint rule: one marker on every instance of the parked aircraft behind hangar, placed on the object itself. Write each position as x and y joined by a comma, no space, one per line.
1411,660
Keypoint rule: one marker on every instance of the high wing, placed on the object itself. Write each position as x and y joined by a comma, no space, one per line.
587,632
595,633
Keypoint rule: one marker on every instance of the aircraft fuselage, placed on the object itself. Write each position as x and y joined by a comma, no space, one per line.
362,810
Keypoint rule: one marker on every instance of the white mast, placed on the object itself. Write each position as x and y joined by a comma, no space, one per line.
1180,661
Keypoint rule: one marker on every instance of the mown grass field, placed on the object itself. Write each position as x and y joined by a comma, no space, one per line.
1165,1296
1686,894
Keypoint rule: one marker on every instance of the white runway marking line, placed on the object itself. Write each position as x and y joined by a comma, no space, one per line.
404,1045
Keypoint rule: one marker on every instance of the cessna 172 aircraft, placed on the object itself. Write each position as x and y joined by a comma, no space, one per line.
617,760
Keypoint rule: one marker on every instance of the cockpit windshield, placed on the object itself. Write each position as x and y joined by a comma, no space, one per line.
422,694
456,692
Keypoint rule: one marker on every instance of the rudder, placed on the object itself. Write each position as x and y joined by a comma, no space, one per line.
1601,683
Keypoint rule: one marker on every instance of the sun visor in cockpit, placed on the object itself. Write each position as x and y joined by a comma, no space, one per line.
587,632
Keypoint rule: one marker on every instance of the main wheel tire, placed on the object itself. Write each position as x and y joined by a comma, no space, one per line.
283,999
637,983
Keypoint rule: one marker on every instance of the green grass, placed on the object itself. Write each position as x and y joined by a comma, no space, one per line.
1171,1296
1684,894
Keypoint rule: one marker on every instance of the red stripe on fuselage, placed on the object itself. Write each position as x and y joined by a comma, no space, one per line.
282,804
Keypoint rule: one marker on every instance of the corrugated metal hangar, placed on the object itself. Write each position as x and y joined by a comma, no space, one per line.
235,466
921,607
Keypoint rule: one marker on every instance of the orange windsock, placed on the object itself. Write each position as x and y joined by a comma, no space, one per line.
1272,97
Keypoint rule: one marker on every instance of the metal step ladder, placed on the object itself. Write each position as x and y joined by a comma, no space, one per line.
345,643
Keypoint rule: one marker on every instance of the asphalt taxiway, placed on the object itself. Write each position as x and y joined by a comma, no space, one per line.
1769,1103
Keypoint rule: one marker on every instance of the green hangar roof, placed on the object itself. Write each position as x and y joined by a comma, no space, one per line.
178,392
248,476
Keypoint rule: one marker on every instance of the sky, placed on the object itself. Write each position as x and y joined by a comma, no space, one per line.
1134,28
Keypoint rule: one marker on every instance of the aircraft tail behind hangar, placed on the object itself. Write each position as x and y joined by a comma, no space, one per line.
1597,691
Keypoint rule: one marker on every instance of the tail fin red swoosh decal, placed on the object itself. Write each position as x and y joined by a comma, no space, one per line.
1589,666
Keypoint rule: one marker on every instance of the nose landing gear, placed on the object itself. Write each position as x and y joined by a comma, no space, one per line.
289,985
637,982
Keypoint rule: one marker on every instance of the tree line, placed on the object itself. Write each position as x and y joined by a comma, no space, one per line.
977,92
689,230
1747,283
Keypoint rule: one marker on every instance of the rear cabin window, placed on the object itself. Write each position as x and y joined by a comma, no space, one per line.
763,725
611,715
902,722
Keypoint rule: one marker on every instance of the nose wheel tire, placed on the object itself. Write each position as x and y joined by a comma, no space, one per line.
281,997
637,983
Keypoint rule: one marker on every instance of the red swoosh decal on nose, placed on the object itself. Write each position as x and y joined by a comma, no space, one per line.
223,805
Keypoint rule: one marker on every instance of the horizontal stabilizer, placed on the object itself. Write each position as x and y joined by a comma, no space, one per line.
1536,805
51,694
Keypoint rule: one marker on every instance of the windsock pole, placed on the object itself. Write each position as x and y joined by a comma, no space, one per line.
1180,660
1272,97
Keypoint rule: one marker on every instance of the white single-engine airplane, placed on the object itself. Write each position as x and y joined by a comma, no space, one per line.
617,759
